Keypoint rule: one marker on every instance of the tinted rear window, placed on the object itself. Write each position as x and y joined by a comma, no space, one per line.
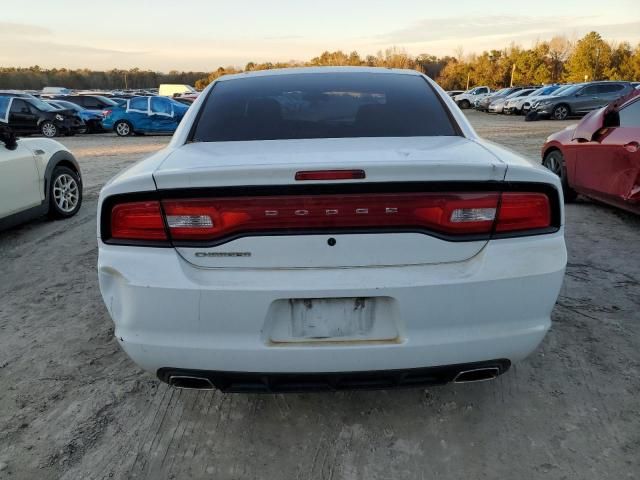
321,105
610,87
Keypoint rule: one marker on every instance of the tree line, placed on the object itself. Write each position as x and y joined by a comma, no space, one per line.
556,60
391,58
553,61
35,78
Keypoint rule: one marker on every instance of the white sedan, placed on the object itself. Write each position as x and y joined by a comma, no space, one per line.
37,176
329,228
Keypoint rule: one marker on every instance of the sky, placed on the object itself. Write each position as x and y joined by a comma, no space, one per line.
165,35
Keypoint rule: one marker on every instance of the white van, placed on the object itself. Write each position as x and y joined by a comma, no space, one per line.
51,91
173,89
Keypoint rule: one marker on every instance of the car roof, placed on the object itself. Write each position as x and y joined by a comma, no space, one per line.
324,70
9,93
600,82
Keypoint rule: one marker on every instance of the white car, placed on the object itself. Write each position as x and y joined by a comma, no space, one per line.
38,176
329,228
468,98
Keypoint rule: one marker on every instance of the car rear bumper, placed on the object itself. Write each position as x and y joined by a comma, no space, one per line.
71,126
267,382
94,125
107,124
169,314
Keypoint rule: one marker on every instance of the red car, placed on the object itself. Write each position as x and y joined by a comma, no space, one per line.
600,157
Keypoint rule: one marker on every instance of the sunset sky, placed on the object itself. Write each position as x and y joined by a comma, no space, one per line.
202,35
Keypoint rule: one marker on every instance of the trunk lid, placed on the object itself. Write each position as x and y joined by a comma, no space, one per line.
264,164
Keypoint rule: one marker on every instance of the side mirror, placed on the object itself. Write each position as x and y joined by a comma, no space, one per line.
592,125
8,138
611,119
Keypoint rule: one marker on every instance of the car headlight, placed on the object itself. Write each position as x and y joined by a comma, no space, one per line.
59,117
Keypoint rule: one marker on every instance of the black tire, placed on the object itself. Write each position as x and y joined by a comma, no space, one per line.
554,161
65,184
560,112
464,104
49,129
123,128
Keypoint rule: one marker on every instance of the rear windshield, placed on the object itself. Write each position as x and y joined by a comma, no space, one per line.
321,105
40,105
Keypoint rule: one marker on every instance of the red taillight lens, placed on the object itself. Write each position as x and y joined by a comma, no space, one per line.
137,221
106,113
451,214
448,213
330,175
523,211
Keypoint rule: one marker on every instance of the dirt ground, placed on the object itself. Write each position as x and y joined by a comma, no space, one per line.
73,406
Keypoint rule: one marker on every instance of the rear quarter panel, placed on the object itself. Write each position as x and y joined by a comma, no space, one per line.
520,169
137,178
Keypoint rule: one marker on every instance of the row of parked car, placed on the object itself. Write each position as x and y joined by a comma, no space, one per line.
53,114
556,101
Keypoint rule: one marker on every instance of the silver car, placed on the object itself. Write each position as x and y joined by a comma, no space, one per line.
581,98
535,98
503,105
522,104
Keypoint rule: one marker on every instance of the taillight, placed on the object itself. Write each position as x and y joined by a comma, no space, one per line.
137,221
106,113
523,211
451,215
447,213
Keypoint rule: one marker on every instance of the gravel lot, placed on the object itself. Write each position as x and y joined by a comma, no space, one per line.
73,406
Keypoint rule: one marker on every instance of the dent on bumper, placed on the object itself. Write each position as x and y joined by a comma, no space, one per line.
169,314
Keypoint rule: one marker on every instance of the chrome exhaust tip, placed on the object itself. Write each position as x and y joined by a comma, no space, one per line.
477,375
190,383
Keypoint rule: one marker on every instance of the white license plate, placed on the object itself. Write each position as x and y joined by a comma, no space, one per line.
333,319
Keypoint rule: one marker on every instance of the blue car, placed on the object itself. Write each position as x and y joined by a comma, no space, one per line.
92,120
144,115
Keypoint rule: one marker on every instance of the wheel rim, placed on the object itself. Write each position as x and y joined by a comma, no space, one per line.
123,129
49,130
66,193
554,164
561,113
